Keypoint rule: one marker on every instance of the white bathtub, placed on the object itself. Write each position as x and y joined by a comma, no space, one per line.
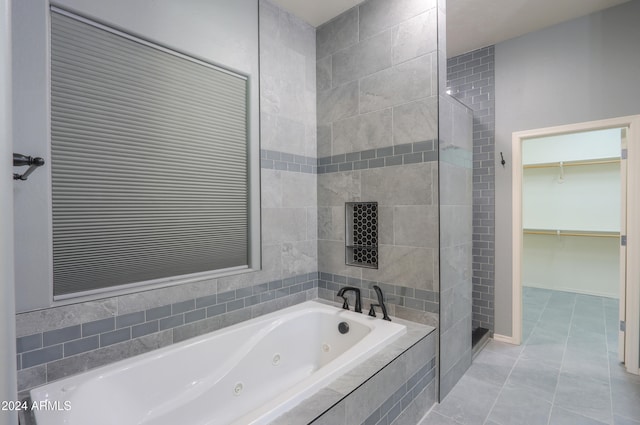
249,373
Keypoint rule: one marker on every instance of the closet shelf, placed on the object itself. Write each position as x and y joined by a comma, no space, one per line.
585,233
573,163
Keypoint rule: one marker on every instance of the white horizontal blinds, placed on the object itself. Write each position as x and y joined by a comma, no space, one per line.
149,161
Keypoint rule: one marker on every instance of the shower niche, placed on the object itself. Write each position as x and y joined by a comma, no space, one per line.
361,241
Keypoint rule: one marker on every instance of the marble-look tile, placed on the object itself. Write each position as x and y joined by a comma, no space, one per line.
386,226
415,121
158,297
331,259
424,317
60,317
397,85
454,303
470,401
337,188
540,378
420,354
454,343
338,103
299,257
621,420
277,304
361,59
560,416
299,190
435,418
331,222
312,223
625,393
491,367
378,15
455,186
323,74
418,407
335,416
457,220
284,225
395,186
416,226
362,132
415,37
338,33
405,266
310,409
449,379
271,270
92,359
581,394
32,377
210,324
370,395
516,405
271,188
503,348
282,134
324,136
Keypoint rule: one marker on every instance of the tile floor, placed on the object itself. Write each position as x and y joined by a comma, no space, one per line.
565,372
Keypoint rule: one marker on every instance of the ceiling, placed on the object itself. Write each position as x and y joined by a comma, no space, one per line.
472,24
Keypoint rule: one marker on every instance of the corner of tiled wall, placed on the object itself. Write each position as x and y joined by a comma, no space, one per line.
471,80
377,141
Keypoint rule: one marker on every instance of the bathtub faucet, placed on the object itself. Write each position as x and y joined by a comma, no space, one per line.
372,310
345,305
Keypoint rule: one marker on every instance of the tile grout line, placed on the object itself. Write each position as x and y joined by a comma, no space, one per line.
564,352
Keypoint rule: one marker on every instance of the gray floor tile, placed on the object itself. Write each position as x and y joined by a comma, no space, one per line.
437,419
620,420
491,367
626,396
560,416
469,402
580,394
566,368
540,378
516,405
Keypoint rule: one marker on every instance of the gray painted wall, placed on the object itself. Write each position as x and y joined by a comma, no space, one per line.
582,70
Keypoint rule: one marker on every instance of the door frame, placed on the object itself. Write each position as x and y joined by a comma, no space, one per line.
632,268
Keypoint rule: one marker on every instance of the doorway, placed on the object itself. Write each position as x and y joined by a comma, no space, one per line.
571,197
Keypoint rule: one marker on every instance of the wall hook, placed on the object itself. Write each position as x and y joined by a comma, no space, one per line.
502,161
20,160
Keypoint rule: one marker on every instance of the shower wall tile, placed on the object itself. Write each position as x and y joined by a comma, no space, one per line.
323,74
362,132
338,33
378,15
382,149
397,85
471,80
361,59
414,37
338,103
416,121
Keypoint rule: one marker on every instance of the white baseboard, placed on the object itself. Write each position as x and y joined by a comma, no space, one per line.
503,338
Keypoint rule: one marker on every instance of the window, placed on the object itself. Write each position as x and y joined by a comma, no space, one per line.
149,163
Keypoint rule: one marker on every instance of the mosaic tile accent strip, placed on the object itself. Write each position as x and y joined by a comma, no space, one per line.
398,402
409,153
416,299
41,348
274,160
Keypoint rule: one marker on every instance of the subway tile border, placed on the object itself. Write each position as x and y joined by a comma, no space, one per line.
409,153
275,160
416,299
42,348
393,406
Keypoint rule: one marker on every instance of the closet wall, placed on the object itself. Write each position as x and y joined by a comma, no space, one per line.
571,212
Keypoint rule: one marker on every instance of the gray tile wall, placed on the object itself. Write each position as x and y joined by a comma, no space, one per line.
65,340
377,85
455,241
471,80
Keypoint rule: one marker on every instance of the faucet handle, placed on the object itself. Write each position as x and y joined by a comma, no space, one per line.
345,304
372,310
